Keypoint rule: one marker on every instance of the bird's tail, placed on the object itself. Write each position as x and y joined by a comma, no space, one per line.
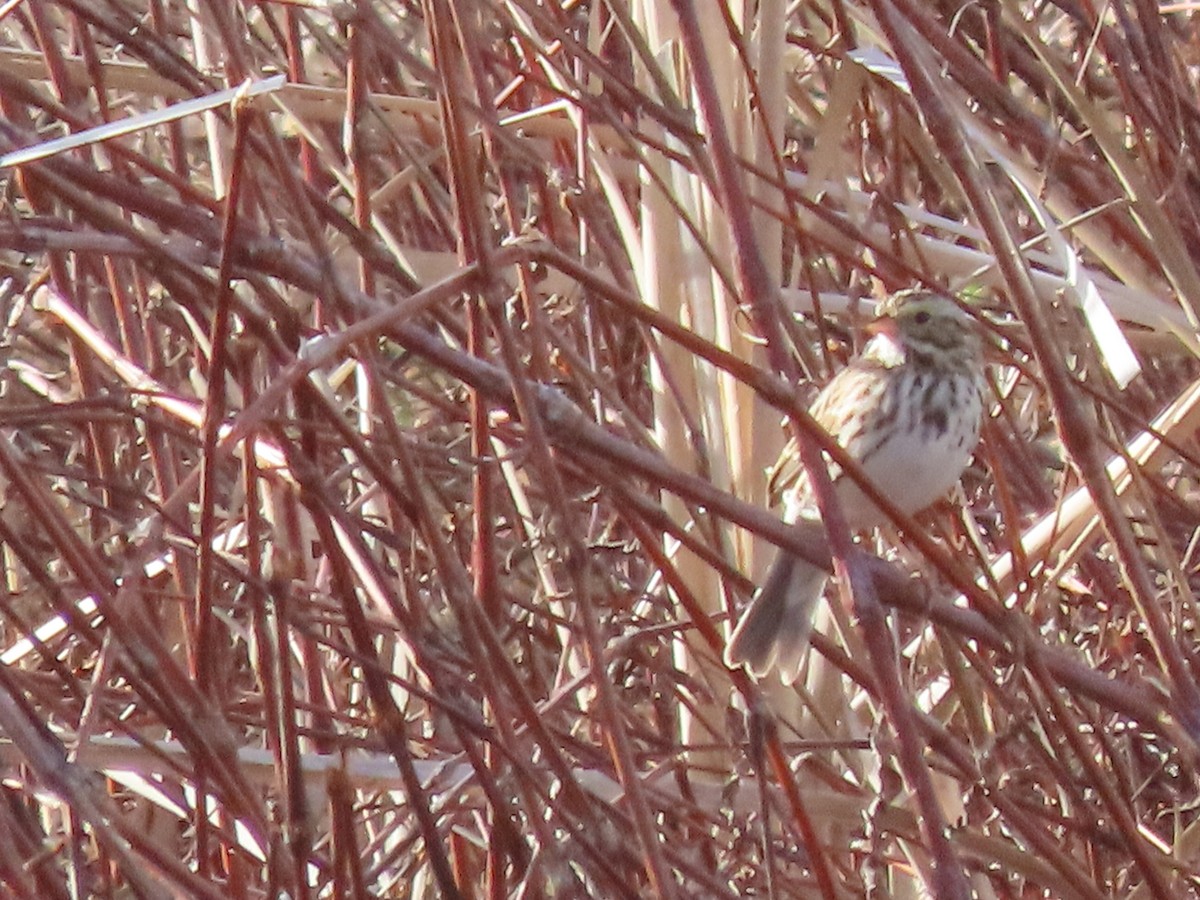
774,629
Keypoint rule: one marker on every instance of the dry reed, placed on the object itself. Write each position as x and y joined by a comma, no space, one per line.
387,393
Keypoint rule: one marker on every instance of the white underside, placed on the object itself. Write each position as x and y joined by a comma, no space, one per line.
910,470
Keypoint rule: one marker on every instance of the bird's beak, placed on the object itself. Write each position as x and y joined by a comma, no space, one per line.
882,325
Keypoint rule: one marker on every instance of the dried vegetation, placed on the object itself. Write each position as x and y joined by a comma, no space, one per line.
386,396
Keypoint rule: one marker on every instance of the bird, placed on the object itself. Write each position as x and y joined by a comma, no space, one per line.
908,410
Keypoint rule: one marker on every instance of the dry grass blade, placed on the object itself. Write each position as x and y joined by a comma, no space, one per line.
387,395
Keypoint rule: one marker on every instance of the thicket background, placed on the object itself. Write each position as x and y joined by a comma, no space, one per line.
386,394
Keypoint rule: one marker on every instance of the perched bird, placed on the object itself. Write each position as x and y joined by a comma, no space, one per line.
908,411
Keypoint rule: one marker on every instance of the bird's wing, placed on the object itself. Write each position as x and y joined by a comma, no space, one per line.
830,410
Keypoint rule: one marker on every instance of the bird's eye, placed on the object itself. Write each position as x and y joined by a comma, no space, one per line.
922,318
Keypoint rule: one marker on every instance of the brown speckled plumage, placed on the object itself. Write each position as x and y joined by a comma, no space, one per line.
908,410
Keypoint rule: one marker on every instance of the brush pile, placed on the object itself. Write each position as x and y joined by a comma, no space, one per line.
387,391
